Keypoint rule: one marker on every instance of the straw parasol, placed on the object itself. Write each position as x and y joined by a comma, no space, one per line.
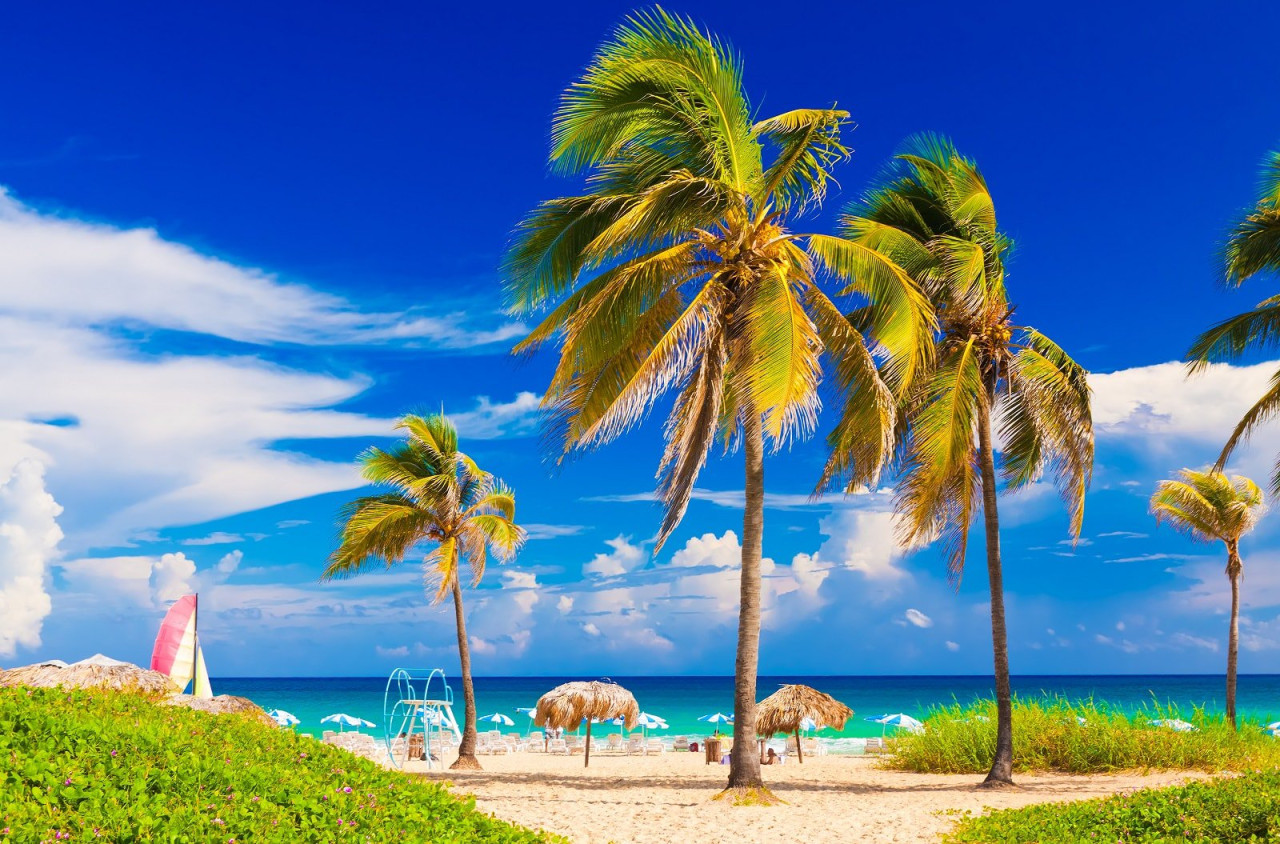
782,712
221,705
96,672
566,707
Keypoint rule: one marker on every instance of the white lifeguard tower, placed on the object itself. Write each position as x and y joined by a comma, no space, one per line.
418,702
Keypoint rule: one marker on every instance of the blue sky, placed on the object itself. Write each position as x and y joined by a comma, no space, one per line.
238,240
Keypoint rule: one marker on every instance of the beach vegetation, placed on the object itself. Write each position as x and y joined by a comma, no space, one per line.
677,269
1208,506
932,214
436,498
1244,808
1082,737
1252,249
93,764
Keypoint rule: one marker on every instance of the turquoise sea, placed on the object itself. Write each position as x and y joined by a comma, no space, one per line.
681,700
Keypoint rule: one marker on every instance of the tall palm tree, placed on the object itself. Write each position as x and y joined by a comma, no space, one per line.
674,269
435,495
1253,247
1209,506
933,215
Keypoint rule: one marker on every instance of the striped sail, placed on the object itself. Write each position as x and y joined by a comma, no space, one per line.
177,651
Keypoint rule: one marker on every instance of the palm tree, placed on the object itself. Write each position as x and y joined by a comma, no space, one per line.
1208,506
933,215
438,495
1253,247
674,270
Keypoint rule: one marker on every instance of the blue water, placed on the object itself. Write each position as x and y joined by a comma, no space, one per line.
681,700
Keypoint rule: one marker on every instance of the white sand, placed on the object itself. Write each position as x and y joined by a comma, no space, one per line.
668,798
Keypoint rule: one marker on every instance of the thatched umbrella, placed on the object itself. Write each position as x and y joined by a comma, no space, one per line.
782,712
221,705
566,707
97,671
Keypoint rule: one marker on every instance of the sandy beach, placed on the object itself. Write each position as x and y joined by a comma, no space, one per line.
667,798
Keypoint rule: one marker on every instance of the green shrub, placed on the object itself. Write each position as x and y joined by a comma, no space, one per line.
1048,736
108,765
1245,808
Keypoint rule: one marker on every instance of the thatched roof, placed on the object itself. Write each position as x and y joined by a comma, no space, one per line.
97,671
221,705
566,707
782,711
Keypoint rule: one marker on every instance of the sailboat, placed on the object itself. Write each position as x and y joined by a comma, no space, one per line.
177,651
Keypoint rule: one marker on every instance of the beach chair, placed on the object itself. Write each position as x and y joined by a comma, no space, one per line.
635,746
874,745
558,745
536,742
654,746
681,743
574,743
792,749
614,742
813,747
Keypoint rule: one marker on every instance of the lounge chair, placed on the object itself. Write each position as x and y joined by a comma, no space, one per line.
614,742
536,742
558,745
813,747
635,746
875,745
681,743
654,746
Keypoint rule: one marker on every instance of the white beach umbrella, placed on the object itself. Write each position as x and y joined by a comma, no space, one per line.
342,719
497,718
1175,724
808,724
717,718
900,720
284,719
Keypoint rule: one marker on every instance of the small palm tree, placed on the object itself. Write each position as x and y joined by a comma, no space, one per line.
675,269
1209,506
933,216
437,495
1253,247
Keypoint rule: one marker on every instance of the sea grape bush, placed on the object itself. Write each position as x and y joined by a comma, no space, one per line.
1244,808
1081,737
109,766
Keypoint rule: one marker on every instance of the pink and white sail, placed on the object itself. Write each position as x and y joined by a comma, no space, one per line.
177,651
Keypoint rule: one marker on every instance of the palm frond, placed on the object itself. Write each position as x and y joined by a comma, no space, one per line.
1253,245
808,142
379,528
1263,410
1207,505
1231,338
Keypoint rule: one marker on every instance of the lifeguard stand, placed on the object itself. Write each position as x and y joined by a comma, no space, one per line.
418,702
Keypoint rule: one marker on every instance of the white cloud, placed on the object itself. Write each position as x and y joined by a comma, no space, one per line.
721,552
80,273
230,562
522,588
919,619
862,541
536,531
494,420
480,646
1186,639
565,604
29,537
171,577
401,651
218,537
292,523
952,646
1120,626
623,558
590,629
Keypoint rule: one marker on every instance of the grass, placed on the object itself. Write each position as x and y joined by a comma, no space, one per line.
1244,808
960,739
75,766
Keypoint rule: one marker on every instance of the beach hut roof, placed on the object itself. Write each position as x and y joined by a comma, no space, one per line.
566,707
782,711
221,705
95,672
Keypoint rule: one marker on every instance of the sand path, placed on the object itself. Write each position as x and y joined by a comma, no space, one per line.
667,798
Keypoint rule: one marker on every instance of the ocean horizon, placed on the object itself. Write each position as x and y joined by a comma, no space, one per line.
682,699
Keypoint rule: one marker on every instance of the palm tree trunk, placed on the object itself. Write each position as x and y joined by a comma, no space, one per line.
467,749
1001,773
744,767
1235,568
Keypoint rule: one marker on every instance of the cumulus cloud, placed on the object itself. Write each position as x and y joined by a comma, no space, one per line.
917,618
230,562
29,537
623,558
171,577
491,420
565,604
862,540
